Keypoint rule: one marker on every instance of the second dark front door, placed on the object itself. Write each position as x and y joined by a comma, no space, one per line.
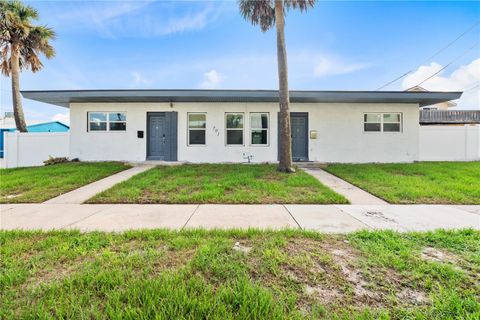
299,124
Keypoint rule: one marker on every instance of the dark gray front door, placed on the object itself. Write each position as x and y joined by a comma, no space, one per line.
162,136
299,123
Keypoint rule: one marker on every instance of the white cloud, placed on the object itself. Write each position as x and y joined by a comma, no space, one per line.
98,15
188,22
462,78
333,66
62,117
114,19
139,80
211,80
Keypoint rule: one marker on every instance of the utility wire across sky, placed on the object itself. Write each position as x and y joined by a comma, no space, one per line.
432,56
450,63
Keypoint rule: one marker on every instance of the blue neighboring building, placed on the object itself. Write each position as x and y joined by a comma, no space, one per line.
52,126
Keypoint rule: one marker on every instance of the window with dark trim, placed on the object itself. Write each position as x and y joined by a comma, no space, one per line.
234,125
107,121
382,122
197,124
259,126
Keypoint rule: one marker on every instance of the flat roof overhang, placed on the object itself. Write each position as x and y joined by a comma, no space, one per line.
64,97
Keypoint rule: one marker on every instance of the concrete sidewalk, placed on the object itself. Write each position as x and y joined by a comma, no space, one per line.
324,218
353,193
84,193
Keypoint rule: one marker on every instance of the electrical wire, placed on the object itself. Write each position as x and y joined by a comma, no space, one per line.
450,63
432,56
469,88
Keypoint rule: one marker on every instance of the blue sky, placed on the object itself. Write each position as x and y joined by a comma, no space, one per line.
337,45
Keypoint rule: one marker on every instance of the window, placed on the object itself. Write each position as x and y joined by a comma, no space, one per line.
259,128
382,122
107,121
372,122
196,128
117,121
97,121
391,122
234,128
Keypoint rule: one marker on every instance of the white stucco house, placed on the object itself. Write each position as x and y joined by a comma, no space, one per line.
231,125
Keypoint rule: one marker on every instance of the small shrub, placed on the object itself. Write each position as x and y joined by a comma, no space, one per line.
57,160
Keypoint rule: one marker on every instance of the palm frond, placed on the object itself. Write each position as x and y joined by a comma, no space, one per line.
258,12
17,33
302,5
23,12
262,12
38,39
5,61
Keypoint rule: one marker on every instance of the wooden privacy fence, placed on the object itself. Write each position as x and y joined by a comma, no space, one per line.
449,116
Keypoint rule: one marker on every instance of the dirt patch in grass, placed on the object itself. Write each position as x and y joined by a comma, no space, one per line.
437,255
347,259
410,296
172,260
361,288
56,272
325,272
13,195
326,296
471,269
331,274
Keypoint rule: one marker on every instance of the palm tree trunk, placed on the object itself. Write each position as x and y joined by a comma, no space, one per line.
17,98
285,164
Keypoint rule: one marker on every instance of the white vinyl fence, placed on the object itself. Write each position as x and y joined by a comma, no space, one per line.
32,148
449,143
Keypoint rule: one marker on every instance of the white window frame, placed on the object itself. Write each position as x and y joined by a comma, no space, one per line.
235,129
383,122
107,122
259,129
196,129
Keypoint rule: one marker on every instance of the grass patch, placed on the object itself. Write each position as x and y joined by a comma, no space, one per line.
196,274
219,183
423,182
38,184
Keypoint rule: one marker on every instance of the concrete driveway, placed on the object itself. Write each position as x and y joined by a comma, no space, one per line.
324,218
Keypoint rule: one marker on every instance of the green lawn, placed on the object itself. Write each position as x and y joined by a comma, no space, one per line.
423,182
37,184
219,183
279,275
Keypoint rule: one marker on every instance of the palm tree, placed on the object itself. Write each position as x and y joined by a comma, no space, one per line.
268,13
20,45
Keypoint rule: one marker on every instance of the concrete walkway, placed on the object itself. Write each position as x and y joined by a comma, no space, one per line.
354,194
84,193
324,218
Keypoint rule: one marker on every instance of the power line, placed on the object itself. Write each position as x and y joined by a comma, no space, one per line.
469,88
456,39
434,55
448,64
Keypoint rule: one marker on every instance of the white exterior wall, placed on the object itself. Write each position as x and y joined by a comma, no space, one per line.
32,148
340,136
450,143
